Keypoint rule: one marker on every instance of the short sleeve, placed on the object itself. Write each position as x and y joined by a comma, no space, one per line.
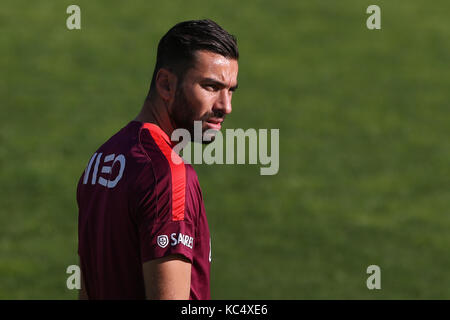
167,217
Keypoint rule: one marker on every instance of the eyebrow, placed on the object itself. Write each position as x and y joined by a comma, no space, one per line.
220,83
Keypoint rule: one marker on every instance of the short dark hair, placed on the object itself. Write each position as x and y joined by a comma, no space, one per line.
176,49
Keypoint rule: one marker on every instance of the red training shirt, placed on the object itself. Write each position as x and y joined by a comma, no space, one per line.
136,204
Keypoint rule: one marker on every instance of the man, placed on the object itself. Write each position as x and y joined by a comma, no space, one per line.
143,231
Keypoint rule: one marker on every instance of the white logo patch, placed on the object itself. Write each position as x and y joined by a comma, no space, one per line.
162,240
184,239
210,250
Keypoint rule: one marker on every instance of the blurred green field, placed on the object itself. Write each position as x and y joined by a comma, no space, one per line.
364,120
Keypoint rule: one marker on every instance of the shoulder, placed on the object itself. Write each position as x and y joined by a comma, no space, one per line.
194,197
191,176
175,182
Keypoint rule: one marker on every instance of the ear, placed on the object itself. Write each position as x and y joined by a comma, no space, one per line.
166,83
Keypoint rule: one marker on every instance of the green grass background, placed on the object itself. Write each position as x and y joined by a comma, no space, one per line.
364,121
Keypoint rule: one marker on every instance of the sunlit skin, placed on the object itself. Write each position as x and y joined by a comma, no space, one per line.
205,94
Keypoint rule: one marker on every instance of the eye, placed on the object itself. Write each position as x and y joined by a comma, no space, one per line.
211,87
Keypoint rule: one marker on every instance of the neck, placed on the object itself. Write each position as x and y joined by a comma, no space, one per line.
155,111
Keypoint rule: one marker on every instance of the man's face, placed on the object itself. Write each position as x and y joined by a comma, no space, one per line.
205,93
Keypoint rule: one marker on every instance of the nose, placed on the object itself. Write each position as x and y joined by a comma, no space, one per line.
223,104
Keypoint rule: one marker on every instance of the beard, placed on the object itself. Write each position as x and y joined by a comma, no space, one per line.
184,115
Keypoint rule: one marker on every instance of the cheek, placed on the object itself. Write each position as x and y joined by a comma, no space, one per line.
202,100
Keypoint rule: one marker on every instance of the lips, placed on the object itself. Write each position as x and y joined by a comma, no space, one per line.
214,123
